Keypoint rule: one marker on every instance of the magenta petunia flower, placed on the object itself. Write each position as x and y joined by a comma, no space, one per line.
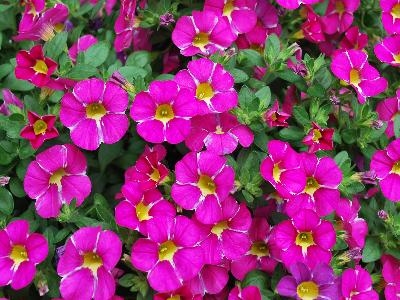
170,254
391,275
312,29
391,15
9,99
203,181
57,176
34,67
203,32
293,4
125,25
357,284
20,252
83,43
262,254
353,68
339,15
163,112
33,9
275,118
210,280
354,39
388,51
247,293
39,129
220,133
181,293
305,238
139,207
86,265
95,113
303,283
319,138
212,85
386,165
388,110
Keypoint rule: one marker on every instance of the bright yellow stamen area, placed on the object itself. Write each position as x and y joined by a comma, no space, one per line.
304,240
276,173
218,228
204,91
56,177
260,249
142,212
18,254
176,297
307,290
39,127
206,185
164,113
340,9
299,35
311,186
218,130
92,261
40,67
200,40
167,251
354,77
396,11
95,111
59,27
396,168
155,175
228,8
396,58
316,135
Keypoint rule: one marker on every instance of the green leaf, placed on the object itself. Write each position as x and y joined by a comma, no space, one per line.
5,69
397,126
6,201
82,71
15,84
96,54
108,153
56,45
372,250
259,279
291,134
301,115
272,48
246,97
131,72
17,188
104,211
127,280
139,59
264,94
239,75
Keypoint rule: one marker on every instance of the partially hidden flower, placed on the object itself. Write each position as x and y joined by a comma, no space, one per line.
33,9
388,110
391,275
212,279
319,138
293,4
357,284
9,99
312,29
391,16
354,39
275,117
388,51
248,293
83,44
125,25
339,15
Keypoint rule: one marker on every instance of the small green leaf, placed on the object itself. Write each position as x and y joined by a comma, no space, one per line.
301,115
56,45
6,201
272,48
96,54
239,75
82,71
372,250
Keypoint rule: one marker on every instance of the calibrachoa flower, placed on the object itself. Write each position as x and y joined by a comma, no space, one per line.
39,129
339,15
125,24
319,138
181,293
354,39
220,133
247,293
308,284
275,118
212,85
312,28
386,164
388,110
210,280
95,113
391,15
391,275
293,4
357,284
202,33
33,8
305,238
163,112
170,254
353,68
57,176
388,51
86,265
20,252
34,67
203,181
9,99
83,43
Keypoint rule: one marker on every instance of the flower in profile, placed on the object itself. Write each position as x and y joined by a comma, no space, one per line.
163,112
391,16
125,25
89,258
354,39
210,280
391,275
34,67
39,129
388,51
83,43
57,176
312,28
33,9
139,207
118,79
95,113
386,164
170,254
202,33
357,284
293,4
388,110
219,133
212,85
20,252
9,99
305,283
339,15
305,238
319,138
276,118
352,67
203,181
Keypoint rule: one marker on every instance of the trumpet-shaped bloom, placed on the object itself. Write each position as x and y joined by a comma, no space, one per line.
83,43
203,181
89,257
95,113
20,252
388,51
319,138
9,99
391,15
247,293
391,275
339,15
33,8
275,118
125,25
293,4
357,284
57,176
388,110
163,112
212,85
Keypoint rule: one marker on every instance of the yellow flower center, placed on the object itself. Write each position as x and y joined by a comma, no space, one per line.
167,251
206,185
39,127
276,173
40,67
260,249
307,290
316,135
59,27
164,113
176,297
396,11
228,8
200,40
56,177
92,261
95,111
142,212
396,168
304,240
155,175
218,130
204,91
18,254
340,9
354,77
218,228
311,186
396,58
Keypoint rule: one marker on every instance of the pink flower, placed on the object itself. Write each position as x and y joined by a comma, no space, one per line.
181,293
203,181
386,164
170,254
95,113
220,133
83,43
388,51
139,207
388,110
305,238
125,25
33,8
9,99
352,67
57,176
203,32
339,15
391,15
276,118
391,275
163,112
247,293
312,28
319,138
20,252
293,4
34,67
357,284
262,253
86,265
354,39
212,85
210,280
